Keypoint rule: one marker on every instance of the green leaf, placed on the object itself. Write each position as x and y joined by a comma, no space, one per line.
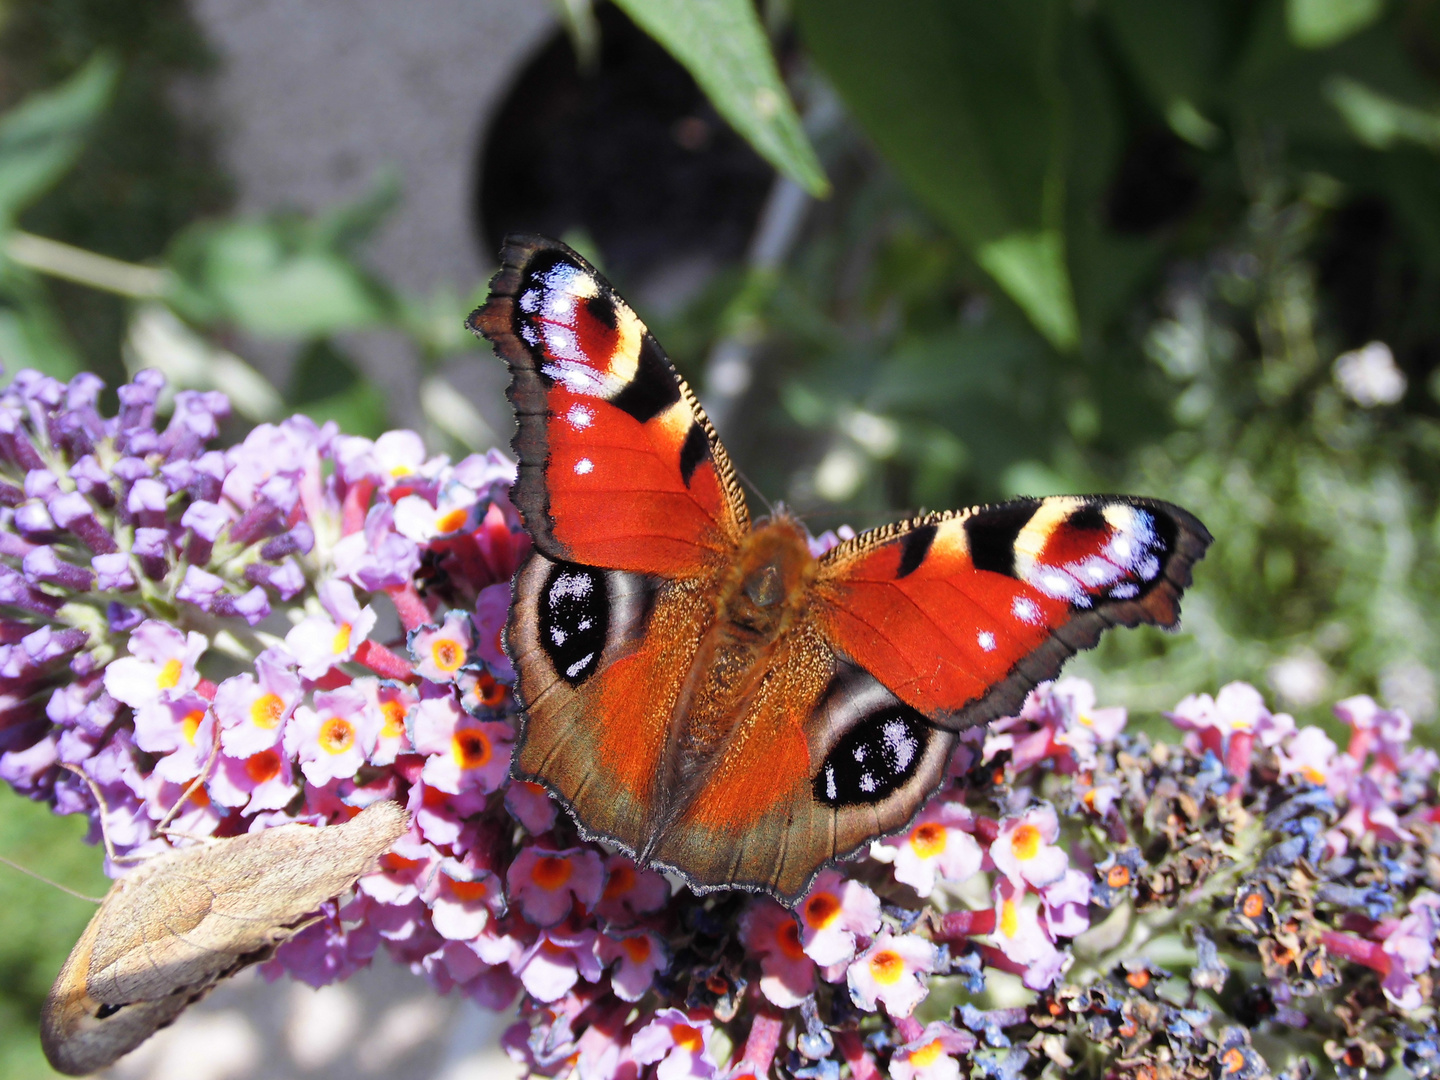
42,136
965,100
1318,24
283,277
30,334
1378,120
723,45
1031,268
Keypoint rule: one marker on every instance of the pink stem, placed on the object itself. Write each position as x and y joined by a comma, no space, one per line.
955,925
1360,741
411,609
357,501
760,1046
996,959
1237,755
908,1028
383,662
333,680
862,1065
1357,949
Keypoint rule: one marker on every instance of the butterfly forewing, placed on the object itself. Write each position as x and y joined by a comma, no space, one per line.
962,614
619,468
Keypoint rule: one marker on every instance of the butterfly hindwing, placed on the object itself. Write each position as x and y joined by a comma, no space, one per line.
600,656
962,614
619,467
822,764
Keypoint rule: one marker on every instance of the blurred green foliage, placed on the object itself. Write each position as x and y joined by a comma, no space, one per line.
1072,245
40,922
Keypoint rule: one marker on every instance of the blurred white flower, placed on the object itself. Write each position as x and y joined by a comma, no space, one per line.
1369,377
1410,685
1301,678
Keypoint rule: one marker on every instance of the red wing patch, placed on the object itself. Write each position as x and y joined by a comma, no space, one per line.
619,467
962,614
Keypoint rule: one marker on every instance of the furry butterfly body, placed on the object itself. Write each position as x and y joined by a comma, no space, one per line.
709,695
182,921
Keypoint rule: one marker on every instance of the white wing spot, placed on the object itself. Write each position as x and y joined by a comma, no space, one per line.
1025,610
580,417
568,586
1125,591
584,467
986,640
902,744
579,665
557,635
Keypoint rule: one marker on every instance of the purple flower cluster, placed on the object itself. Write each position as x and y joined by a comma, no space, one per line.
309,622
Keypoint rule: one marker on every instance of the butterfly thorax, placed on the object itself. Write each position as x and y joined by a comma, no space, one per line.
762,595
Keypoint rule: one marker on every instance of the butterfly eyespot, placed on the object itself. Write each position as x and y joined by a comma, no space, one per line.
574,619
874,758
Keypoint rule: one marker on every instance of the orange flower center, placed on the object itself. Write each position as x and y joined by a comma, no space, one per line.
169,676
1025,842
451,520
821,910
266,711
1138,979
469,890
492,693
927,1055
341,642
1314,775
636,948
788,938
928,840
551,872
470,747
687,1038
447,654
1117,877
622,877
337,735
393,711
1253,906
887,967
191,724
1009,918
262,766
1233,1060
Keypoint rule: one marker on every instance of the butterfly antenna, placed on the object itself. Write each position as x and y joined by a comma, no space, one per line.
99,802
194,784
754,489
53,884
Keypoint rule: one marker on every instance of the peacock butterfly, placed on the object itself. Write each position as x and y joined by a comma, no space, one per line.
708,695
